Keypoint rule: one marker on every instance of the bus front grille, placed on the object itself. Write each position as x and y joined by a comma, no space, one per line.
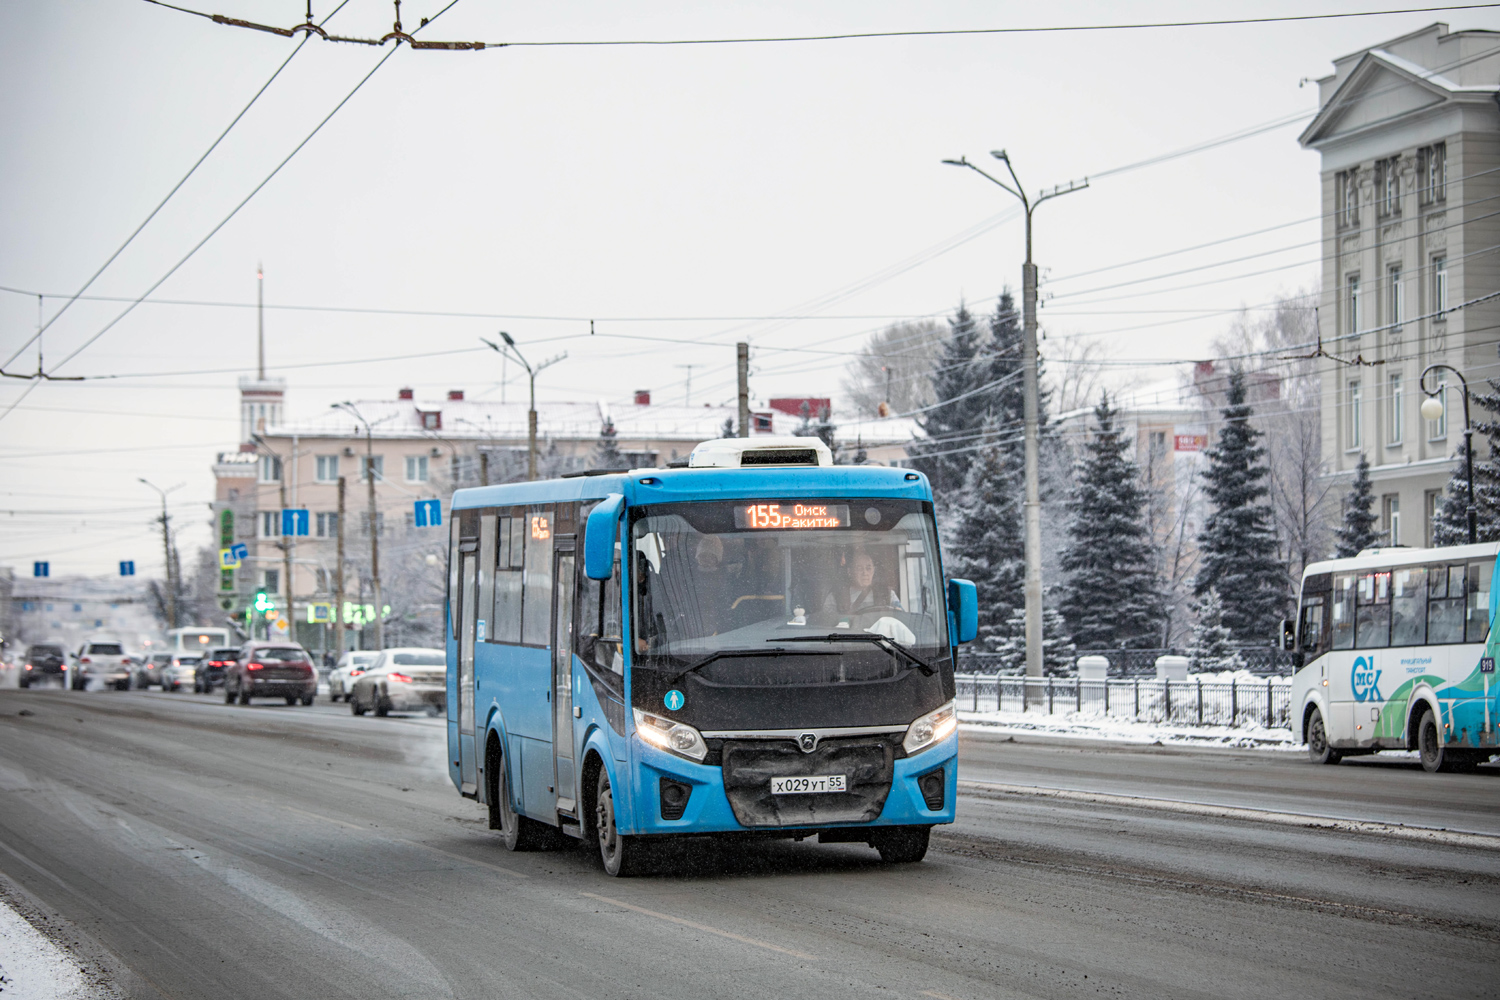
865,762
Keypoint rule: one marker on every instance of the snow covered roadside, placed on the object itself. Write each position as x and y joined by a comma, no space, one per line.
33,968
1121,730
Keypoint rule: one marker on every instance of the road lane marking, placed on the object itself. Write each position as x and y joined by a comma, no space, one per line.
403,840
700,927
1456,838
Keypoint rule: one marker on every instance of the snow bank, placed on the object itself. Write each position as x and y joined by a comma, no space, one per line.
1072,725
33,968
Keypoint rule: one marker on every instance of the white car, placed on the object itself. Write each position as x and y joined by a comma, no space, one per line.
350,666
103,660
179,673
408,679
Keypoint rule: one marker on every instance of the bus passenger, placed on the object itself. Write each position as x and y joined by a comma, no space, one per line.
859,590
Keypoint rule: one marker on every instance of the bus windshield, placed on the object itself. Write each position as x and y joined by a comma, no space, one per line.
739,580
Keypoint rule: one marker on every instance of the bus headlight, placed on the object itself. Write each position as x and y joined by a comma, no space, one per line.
930,728
674,737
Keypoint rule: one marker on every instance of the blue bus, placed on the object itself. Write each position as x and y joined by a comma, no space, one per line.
759,644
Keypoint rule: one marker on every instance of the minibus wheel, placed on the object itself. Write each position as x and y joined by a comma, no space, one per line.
899,845
1435,756
620,854
517,832
1318,749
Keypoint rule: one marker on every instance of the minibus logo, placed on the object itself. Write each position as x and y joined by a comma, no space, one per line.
1365,680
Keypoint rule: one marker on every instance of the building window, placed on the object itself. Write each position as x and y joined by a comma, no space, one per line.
1388,186
1432,504
364,524
1439,288
1351,299
270,524
328,524
1352,414
1390,505
270,469
416,468
1397,299
1437,430
1432,170
328,468
375,462
1157,448
432,420
1395,403
270,580
325,581
1348,198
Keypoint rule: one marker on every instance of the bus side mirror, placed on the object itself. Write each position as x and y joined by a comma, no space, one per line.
599,538
1288,634
963,607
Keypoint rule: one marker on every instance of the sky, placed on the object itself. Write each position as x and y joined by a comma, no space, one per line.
679,197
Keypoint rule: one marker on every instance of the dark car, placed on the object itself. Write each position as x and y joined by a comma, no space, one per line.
43,661
271,670
209,673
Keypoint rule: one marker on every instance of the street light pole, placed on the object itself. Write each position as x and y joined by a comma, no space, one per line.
166,545
1432,409
531,373
1030,408
374,523
286,545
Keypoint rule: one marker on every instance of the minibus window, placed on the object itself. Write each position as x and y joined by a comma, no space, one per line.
1372,628
1409,606
1310,630
1445,605
1478,625
1343,611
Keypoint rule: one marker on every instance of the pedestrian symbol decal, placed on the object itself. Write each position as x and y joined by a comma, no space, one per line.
673,700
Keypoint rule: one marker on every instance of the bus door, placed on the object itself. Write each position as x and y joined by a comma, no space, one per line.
468,613
562,676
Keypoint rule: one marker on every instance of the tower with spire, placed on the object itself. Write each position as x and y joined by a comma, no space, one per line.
261,398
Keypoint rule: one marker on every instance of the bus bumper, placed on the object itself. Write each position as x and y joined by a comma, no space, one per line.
707,809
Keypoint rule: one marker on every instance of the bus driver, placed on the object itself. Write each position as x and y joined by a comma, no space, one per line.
859,591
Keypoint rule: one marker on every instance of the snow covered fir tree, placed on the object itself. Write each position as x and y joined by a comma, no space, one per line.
1238,542
607,452
1358,530
1450,526
985,540
1109,550
1210,651
1058,648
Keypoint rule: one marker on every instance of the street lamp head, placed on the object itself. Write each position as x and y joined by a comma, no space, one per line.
507,338
1432,408
999,154
960,162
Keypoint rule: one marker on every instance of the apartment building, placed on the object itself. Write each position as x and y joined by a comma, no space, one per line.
1409,136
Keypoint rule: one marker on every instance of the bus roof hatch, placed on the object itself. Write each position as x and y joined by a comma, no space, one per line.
741,453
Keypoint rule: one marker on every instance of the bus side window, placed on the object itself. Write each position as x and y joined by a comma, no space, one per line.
1445,605
1409,606
1343,612
1372,629
1310,631
1478,625
506,626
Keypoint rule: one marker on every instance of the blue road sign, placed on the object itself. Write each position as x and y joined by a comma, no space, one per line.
294,522
127,567
239,551
41,569
429,513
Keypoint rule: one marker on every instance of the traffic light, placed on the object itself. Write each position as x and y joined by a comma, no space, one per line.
263,601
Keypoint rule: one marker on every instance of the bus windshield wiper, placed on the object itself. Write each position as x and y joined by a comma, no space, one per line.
885,642
721,654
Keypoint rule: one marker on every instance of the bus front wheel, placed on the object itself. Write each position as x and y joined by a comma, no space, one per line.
1318,749
620,854
900,845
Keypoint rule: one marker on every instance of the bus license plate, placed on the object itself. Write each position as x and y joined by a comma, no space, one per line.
809,785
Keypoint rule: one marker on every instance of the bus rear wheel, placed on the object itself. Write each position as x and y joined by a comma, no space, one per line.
1435,756
622,855
1318,749
517,832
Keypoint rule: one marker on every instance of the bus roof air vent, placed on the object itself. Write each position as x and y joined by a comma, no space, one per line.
774,452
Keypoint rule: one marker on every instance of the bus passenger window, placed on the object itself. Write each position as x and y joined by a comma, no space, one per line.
1372,628
1310,631
1479,602
506,626
1445,605
1343,612
1409,606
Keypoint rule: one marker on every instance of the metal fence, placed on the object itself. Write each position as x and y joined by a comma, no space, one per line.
1262,660
1191,702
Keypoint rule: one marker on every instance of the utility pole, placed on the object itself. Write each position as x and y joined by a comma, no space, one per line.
510,347
166,547
742,374
1030,416
338,579
373,523
286,540
260,322
687,396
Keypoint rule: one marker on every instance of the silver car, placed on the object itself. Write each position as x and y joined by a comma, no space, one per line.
179,673
102,660
350,665
409,679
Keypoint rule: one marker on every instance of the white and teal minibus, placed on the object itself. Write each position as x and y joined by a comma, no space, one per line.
1397,654
758,645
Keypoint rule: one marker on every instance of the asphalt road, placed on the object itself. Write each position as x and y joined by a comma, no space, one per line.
203,850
